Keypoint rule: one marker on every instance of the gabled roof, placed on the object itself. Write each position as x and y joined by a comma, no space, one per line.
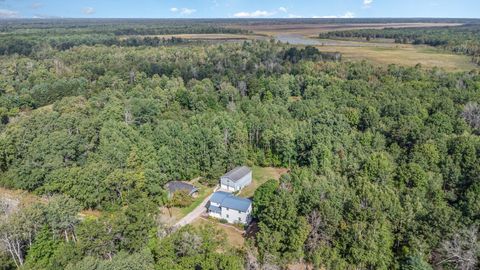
219,196
237,173
228,200
236,203
175,186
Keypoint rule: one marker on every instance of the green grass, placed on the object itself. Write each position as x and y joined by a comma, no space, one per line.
203,192
260,176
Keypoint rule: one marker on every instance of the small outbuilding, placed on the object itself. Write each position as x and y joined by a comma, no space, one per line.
236,179
175,186
224,205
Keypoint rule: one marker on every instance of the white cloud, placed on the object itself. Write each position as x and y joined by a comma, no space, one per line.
347,15
8,14
183,11
187,11
257,13
45,16
283,9
88,11
367,3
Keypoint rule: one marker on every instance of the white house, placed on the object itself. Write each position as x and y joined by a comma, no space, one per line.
224,205
236,179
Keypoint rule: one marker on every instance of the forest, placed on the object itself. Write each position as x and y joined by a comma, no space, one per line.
464,39
384,161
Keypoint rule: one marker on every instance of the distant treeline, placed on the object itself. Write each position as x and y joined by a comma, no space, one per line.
31,36
460,39
27,46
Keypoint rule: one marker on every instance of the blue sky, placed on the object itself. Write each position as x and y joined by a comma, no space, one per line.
238,8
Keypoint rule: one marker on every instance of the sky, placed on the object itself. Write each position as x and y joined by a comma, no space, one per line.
238,8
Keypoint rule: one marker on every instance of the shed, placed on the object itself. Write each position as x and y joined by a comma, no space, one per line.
175,186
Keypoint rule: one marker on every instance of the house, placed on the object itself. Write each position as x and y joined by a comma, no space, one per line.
225,205
236,179
175,186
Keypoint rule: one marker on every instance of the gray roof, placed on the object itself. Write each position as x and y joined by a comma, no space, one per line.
175,186
236,203
215,209
219,196
237,173
228,200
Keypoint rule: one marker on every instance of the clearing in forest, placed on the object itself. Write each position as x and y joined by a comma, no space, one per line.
405,55
234,235
260,176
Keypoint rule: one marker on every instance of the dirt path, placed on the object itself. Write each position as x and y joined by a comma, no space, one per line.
197,212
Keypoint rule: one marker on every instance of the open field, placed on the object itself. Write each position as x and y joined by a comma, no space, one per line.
314,29
260,176
385,51
406,55
200,37
381,51
234,236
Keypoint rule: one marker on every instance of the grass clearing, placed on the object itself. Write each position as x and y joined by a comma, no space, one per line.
203,192
234,236
200,37
405,55
260,176
313,29
22,198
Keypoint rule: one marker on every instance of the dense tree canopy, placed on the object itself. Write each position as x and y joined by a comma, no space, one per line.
385,160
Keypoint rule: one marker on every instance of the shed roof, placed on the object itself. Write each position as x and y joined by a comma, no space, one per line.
175,186
228,200
237,173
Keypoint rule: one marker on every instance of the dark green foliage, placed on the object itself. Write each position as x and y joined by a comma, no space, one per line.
384,160
190,248
181,199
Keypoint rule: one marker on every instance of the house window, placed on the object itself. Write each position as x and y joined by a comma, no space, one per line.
239,211
239,219
228,209
228,216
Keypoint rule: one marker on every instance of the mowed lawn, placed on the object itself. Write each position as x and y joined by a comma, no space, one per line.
406,55
260,176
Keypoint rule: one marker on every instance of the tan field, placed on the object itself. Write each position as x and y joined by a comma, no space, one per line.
213,37
380,51
314,29
406,55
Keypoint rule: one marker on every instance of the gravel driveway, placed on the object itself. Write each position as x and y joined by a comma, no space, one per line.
197,212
